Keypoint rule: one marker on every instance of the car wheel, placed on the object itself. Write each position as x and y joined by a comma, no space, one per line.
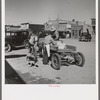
79,59
56,61
8,47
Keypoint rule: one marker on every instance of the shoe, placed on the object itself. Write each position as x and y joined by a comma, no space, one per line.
36,65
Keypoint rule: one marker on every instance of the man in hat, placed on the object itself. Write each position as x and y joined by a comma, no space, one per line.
54,33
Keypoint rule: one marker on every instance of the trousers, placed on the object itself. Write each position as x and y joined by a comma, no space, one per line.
46,53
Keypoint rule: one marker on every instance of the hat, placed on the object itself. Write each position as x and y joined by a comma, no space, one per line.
53,28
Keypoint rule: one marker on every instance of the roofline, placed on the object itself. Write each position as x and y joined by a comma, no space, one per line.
16,30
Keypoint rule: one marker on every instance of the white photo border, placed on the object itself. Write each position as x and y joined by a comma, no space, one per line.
39,92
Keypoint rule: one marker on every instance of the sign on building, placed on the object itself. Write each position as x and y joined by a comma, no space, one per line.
68,26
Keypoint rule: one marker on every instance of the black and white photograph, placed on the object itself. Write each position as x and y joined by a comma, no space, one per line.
49,49
50,42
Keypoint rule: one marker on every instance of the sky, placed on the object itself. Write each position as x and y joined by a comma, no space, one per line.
39,11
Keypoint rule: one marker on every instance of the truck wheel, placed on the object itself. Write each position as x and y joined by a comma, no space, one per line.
56,61
8,47
79,59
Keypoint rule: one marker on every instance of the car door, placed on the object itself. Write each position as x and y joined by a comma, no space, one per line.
24,36
16,38
19,38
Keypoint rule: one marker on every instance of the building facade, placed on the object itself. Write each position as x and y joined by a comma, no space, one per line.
33,27
76,30
93,24
12,28
71,28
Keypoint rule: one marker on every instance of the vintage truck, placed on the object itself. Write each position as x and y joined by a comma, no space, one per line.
65,55
85,36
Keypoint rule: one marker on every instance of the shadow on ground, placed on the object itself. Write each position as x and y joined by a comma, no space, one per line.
11,77
36,79
15,56
18,48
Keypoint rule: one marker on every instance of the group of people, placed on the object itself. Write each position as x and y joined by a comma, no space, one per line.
48,40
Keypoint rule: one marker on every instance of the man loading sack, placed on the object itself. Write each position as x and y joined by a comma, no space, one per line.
48,40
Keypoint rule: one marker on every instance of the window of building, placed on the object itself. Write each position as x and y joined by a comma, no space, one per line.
79,32
73,32
76,33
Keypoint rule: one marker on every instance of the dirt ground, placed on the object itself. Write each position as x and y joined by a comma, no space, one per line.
45,74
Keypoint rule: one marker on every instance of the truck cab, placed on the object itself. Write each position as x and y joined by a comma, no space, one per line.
85,36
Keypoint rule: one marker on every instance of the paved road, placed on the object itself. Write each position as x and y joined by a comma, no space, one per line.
45,74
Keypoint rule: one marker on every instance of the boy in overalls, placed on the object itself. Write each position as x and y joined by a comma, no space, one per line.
32,55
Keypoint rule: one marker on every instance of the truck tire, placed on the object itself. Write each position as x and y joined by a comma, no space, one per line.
56,61
79,59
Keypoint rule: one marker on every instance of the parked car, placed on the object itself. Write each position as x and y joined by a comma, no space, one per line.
85,37
62,34
15,39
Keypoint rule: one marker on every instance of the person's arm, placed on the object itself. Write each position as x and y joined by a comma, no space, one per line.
57,35
52,41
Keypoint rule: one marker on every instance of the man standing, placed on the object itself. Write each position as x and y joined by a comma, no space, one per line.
48,40
33,46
